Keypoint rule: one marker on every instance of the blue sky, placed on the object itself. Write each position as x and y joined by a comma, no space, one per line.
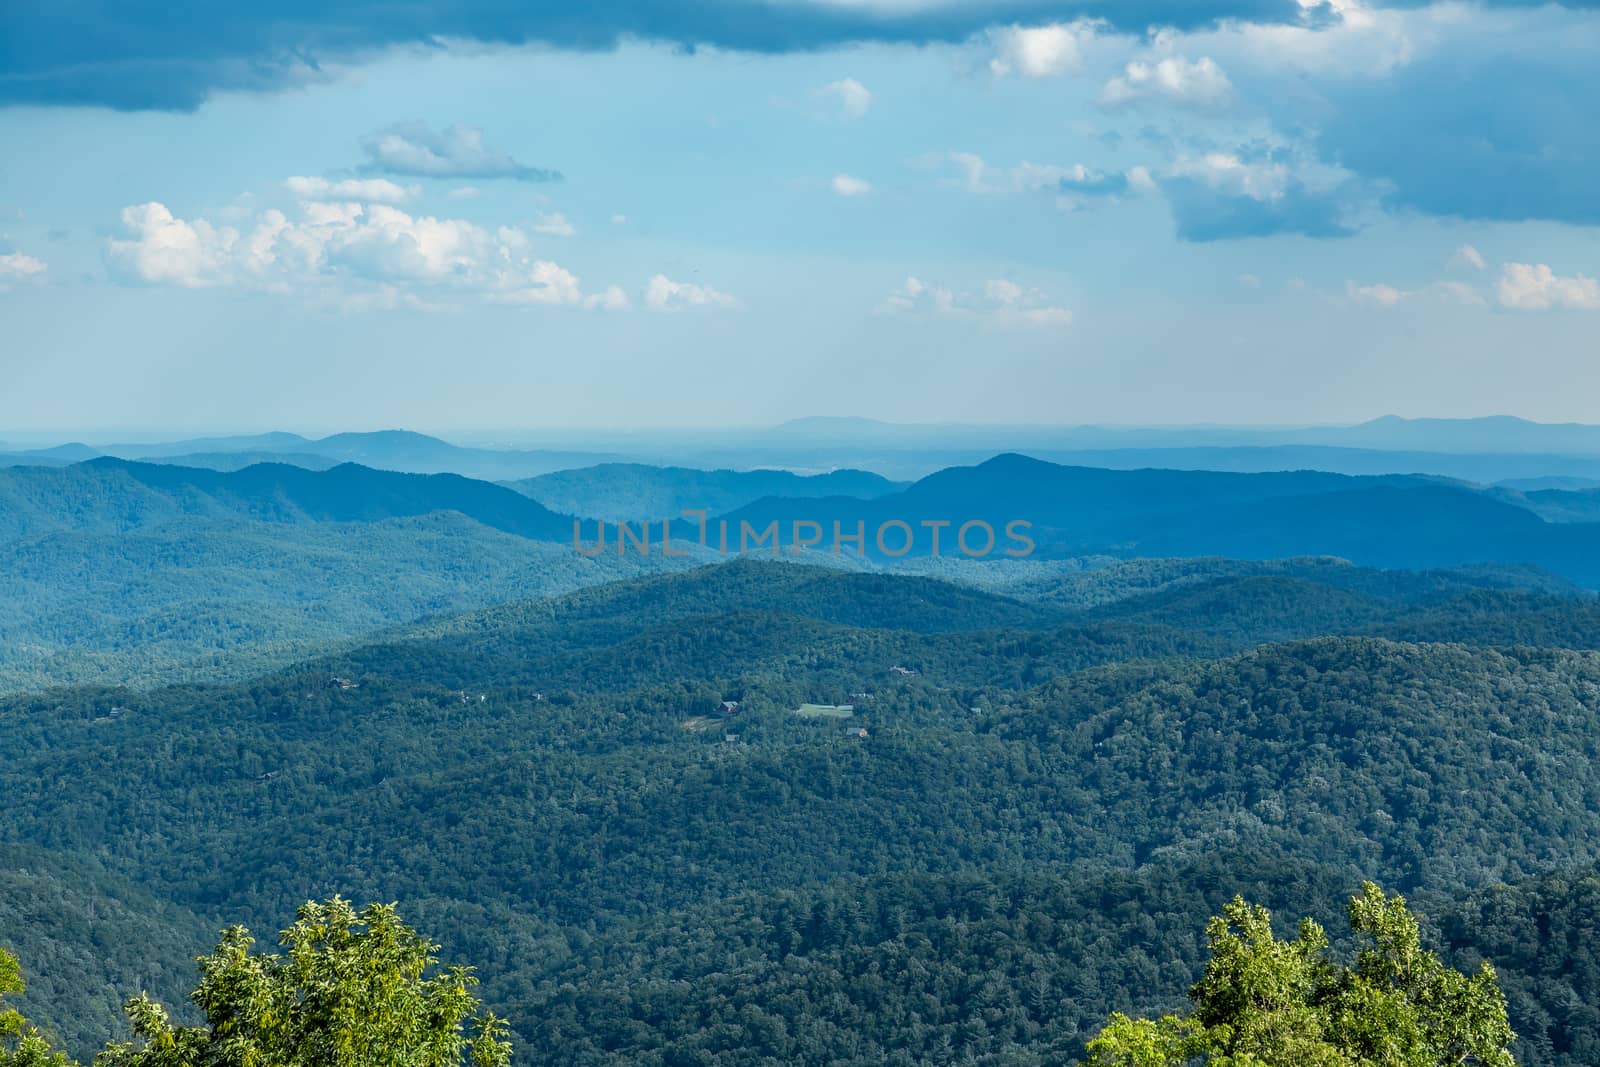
650,214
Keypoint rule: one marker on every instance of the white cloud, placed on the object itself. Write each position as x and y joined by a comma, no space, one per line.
1001,302
664,294
1377,295
1075,180
378,189
848,97
554,224
974,171
1340,38
1468,258
542,282
1228,173
363,255
1198,84
1387,296
464,192
16,266
612,298
619,219
164,249
415,149
1535,287
845,185
1039,51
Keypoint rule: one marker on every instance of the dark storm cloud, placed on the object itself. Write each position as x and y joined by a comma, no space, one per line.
171,56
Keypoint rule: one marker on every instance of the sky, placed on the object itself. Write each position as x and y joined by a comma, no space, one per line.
642,213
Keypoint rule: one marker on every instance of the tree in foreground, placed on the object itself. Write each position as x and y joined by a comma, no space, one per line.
21,1045
351,990
1263,1002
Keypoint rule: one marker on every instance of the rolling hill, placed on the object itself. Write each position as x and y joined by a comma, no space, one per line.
629,492
1389,521
1040,806
395,450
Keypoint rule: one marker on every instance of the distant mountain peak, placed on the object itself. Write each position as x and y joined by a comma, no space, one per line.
383,437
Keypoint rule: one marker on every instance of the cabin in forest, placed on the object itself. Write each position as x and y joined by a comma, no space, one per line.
727,709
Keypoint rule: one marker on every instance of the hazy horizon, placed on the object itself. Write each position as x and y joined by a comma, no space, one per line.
483,435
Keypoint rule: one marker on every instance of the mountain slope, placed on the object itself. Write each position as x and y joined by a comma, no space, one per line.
1379,521
630,492
396,450
114,494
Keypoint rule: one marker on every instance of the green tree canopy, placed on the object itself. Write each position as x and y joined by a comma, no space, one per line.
352,989
1263,1002
21,1045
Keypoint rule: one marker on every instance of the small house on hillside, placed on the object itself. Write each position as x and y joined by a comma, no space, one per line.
727,709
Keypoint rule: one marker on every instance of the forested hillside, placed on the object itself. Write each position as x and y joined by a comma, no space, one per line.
198,598
910,839
119,572
1394,521
633,492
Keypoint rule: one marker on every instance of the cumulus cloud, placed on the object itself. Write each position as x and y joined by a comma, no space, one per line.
664,294
846,97
1536,287
373,255
414,149
1039,51
1223,196
845,185
1500,95
164,249
1465,257
543,282
1332,38
381,190
16,266
1000,302
1407,98
1199,84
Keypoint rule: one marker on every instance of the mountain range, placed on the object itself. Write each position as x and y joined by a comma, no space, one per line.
127,571
1486,450
397,450
1018,824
